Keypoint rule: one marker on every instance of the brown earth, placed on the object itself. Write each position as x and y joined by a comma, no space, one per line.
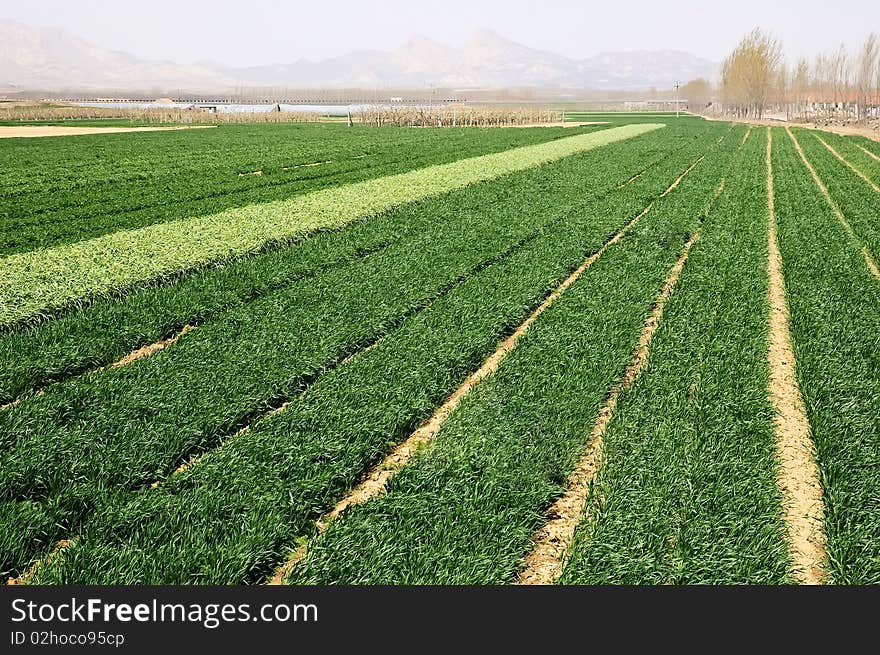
25,577
148,350
868,152
798,475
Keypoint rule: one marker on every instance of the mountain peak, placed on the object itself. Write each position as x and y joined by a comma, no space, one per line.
420,40
53,60
485,35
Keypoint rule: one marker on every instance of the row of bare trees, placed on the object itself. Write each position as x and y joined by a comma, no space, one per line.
403,116
151,115
756,80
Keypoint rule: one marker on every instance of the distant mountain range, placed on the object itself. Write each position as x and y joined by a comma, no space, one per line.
52,59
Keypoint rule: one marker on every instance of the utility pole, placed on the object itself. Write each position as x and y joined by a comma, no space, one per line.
677,84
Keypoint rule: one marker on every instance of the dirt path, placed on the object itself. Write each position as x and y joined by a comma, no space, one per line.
869,259
32,131
373,483
134,355
868,152
798,476
849,165
25,577
148,350
544,564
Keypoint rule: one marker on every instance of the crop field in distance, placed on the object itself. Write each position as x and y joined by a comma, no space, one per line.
643,349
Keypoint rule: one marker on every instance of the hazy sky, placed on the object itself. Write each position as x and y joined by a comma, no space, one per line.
246,32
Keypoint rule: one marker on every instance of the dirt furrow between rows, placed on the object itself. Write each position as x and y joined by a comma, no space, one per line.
868,152
866,254
26,576
146,351
134,355
373,483
798,475
192,461
848,164
680,178
192,325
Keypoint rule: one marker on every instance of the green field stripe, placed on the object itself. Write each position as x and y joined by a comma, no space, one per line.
871,145
848,148
277,478
464,510
108,329
64,448
688,491
856,200
835,326
45,280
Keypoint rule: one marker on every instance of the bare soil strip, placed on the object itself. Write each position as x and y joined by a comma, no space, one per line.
746,136
25,577
868,152
869,259
313,164
192,461
32,131
257,173
149,349
544,564
849,165
678,181
139,353
629,181
798,476
373,483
